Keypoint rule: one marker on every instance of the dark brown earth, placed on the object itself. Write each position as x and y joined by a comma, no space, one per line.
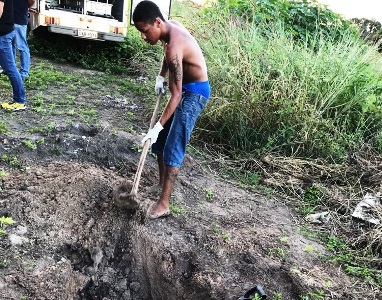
70,241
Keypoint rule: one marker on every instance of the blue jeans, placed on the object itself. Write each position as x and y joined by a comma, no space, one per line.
7,63
20,43
173,139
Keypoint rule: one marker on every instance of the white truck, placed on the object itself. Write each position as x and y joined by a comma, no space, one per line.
103,20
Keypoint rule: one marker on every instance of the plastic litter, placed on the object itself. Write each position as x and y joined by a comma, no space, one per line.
366,210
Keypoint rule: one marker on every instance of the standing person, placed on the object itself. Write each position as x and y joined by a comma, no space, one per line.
190,90
20,10
7,60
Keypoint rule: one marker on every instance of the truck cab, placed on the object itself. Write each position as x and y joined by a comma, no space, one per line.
101,20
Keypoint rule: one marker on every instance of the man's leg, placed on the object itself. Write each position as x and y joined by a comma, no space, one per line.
156,188
22,45
183,123
160,168
157,148
162,206
9,66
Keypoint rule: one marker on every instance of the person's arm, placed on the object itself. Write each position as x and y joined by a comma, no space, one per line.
161,78
1,8
159,82
30,3
164,68
174,59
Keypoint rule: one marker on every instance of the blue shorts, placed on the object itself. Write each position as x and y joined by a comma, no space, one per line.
176,133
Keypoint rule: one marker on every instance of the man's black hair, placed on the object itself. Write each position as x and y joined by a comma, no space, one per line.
146,12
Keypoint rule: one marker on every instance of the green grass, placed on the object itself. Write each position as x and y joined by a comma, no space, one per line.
316,295
3,127
272,94
176,207
358,264
109,57
30,144
44,75
10,160
208,194
4,222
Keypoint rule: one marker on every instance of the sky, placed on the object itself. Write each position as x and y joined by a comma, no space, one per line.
370,9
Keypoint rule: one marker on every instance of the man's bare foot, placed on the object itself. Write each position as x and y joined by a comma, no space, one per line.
157,211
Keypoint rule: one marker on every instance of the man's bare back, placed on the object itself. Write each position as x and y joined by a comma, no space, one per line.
193,63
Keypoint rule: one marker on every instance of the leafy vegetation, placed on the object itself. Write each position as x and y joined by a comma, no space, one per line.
304,20
176,207
354,264
4,222
109,57
273,94
3,127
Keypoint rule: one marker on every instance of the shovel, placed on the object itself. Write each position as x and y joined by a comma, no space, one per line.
121,195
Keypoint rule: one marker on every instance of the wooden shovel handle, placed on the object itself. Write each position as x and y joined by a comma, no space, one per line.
146,146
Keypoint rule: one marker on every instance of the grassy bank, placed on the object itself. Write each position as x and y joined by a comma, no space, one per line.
272,94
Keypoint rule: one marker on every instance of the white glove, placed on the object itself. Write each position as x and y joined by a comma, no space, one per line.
159,85
152,134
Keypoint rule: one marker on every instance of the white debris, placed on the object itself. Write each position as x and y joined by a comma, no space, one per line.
17,240
21,230
367,208
318,218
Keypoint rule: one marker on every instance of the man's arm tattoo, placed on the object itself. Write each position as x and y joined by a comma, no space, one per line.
175,68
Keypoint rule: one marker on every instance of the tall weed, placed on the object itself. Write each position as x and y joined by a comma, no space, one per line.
270,93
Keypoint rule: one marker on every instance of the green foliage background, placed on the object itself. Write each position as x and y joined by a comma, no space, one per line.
303,19
291,77
110,57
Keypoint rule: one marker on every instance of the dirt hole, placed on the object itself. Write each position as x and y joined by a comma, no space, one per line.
80,246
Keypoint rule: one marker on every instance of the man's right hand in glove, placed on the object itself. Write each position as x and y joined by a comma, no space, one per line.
159,85
152,134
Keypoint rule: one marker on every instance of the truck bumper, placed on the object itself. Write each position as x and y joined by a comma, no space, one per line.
101,36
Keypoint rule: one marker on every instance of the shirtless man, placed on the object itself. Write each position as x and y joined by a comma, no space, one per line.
190,90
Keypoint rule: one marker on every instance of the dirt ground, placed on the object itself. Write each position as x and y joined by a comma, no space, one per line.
70,241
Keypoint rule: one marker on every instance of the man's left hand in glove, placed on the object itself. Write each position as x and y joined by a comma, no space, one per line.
153,133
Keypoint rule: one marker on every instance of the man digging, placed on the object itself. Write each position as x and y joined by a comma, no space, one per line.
189,88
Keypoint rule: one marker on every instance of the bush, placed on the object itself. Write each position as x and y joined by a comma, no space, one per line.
303,19
270,93
111,57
